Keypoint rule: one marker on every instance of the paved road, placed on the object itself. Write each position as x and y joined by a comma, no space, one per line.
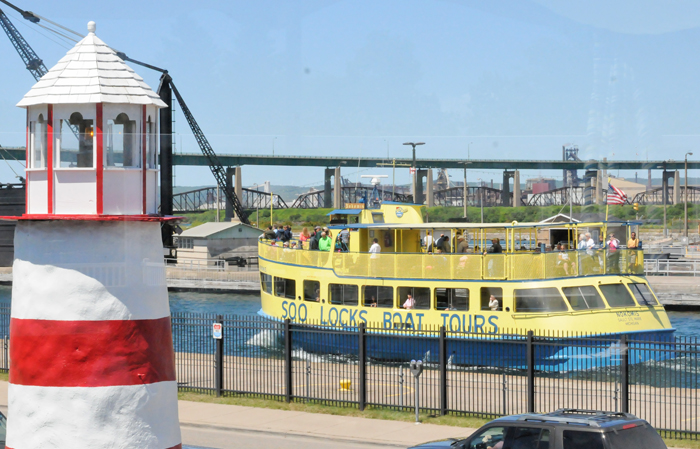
221,438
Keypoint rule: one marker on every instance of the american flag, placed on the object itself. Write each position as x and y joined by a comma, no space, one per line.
615,195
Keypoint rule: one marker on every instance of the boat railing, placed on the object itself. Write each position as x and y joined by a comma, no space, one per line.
504,266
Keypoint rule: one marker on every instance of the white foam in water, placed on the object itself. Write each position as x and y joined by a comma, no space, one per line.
264,339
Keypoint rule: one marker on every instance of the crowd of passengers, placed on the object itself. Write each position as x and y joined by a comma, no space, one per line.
320,239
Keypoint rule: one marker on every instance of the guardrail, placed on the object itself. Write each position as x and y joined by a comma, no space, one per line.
209,274
661,267
513,266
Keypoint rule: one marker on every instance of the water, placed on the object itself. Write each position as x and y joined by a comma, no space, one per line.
686,323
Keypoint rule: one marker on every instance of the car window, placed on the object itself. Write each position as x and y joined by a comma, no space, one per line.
640,436
527,438
3,429
575,439
491,438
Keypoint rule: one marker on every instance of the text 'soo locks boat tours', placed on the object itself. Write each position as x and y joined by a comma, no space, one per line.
487,284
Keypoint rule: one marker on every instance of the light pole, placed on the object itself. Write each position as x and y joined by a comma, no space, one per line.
685,207
273,145
415,170
481,198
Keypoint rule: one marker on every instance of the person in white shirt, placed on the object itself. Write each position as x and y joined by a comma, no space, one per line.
409,303
428,242
375,249
493,303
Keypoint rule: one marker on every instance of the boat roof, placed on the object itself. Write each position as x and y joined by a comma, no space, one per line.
456,225
345,212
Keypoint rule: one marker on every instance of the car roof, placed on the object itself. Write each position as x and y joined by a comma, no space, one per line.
575,418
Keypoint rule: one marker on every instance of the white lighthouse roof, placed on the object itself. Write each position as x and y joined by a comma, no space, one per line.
91,72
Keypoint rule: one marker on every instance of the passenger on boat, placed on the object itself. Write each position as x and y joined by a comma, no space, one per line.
286,234
563,259
428,242
372,302
409,303
344,239
304,236
462,244
494,304
325,242
313,243
443,243
375,249
269,233
495,248
613,254
633,243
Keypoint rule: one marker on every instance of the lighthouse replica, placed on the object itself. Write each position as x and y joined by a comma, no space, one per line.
91,352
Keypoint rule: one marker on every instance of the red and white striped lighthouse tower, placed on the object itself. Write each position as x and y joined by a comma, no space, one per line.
91,353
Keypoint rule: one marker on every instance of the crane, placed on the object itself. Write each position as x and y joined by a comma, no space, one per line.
38,69
33,63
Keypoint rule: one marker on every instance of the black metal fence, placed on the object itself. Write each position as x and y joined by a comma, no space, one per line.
463,373
470,374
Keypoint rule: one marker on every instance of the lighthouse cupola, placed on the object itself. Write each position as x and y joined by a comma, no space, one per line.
92,126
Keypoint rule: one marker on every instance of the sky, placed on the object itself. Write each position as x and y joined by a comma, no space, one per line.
506,79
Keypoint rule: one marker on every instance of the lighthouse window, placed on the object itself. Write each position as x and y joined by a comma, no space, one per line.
378,296
539,300
583,297
343,294
266,282
285,288
37,133
452,299
643,294
74,145
151,155
617,295
123,149
420,295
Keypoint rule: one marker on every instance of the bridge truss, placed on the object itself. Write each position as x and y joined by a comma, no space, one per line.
204,199
454,196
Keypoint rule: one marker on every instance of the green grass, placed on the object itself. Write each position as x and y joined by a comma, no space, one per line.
373,413
315,407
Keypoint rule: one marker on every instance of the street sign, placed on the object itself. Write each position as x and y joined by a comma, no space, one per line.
217,331
412,170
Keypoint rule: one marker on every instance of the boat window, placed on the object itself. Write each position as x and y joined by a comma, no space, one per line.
421,297
617,295
583,297
285,288
452,299
539,300
312,291
266,283
489,303
342,294
378,296
377,217
644,295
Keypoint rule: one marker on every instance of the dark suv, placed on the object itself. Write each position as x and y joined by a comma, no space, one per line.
563,429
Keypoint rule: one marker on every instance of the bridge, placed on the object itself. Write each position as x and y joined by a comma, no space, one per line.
591,190
236,160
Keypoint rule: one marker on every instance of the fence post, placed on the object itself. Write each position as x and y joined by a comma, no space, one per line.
624,374
530,373
287,361
443,371
362,399
219,359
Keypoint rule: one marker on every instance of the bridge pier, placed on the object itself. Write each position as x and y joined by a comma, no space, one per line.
418,197
239,186
590,182
516,188
676,187
666,175
429,189
327,195
228,211
505,188
337,189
